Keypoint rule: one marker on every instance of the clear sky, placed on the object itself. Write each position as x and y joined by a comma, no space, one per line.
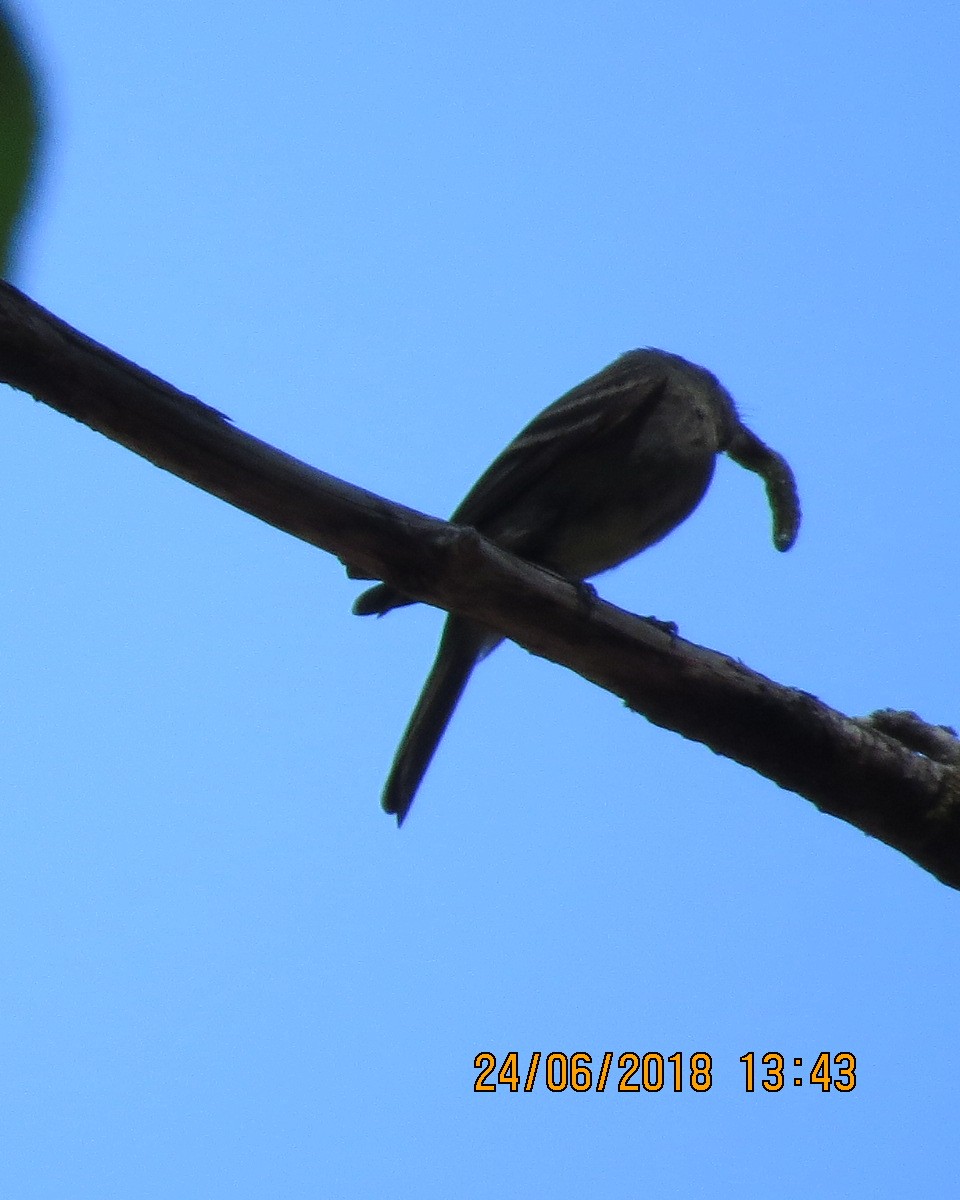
382,236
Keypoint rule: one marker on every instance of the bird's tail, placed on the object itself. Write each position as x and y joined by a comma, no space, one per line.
462,646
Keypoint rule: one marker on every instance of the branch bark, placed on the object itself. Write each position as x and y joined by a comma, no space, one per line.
892,776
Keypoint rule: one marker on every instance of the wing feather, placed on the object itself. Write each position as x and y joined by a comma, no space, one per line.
621,396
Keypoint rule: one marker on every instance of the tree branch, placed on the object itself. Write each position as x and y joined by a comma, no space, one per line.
892,776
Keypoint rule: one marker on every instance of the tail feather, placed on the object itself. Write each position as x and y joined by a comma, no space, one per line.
462,646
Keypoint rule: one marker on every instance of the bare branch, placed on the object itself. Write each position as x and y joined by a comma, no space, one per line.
904,790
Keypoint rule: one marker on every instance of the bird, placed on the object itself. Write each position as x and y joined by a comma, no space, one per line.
601,474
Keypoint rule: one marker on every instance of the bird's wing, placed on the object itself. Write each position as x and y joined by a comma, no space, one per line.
620,397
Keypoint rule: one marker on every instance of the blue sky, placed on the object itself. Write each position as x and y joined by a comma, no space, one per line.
382,237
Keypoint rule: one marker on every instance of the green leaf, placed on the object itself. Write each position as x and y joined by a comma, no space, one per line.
19,134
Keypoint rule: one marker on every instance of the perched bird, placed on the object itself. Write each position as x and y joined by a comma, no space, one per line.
601,474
